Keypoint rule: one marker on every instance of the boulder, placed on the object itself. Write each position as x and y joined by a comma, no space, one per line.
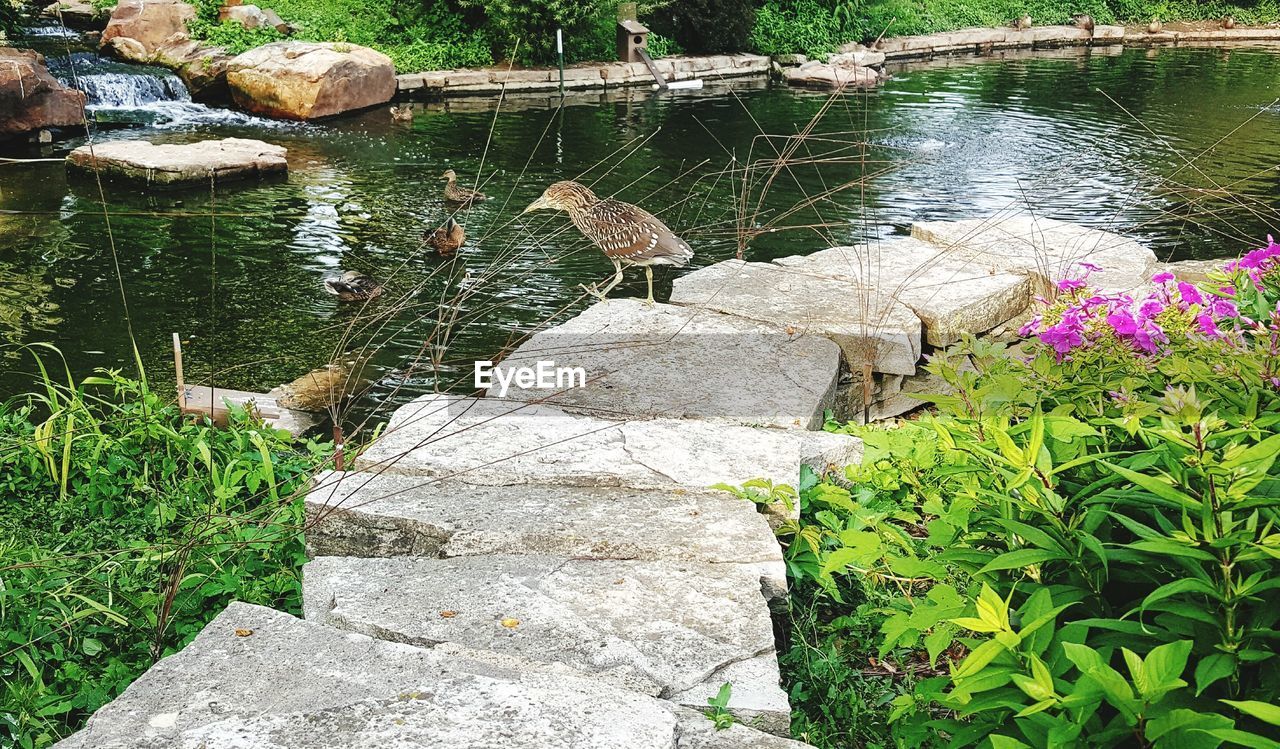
31,99
253,17
869,327
309,80
201,67
674,362
172,165
262,678
656,627
857,55
149,22
76,14
814,73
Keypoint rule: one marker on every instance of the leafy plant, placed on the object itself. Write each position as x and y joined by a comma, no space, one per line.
706,26
719,713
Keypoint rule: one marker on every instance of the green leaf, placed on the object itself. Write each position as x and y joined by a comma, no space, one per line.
1004,742
91,646
1263,711
1213,668
1020,558
1156,486
1185,729
1243,738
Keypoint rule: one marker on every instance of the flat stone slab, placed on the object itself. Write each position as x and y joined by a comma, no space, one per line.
665,361
1191,271
495,442
1048,249
174,164
255,677
385,515
657,627
951,296
866,324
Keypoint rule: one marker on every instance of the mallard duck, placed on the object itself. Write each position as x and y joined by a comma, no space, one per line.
1155,26
1022,23
402,114
456,193
446,239
1083,21
353,286
1228,23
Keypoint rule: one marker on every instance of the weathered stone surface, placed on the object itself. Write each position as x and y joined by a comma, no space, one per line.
1191,271
149,22
253,17
385,515
660,628
951,296
291,683
667,361
985,40
186,163
814,73
501,443
76,14
791,60
1046,248
30,98
857,55
867,325
308,80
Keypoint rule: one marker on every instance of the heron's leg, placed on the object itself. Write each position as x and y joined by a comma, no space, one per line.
648,276
617,279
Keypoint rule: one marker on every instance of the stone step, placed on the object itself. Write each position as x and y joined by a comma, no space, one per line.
665,629
1045,248
255,677
384,515
673,362
867,325
951,296
177,164
495,442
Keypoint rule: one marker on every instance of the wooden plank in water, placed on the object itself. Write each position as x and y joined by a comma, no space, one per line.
216,403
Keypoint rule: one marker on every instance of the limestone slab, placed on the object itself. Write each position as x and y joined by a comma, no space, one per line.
867,325
385,515
657,627
1049,249
667,361
173,164
310,80
500,443
255,677
951,296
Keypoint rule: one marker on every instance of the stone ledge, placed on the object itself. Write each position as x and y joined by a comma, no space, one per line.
172,164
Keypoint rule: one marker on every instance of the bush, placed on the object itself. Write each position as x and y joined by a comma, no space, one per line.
533,23
1079,548
706,26
805,26
124,528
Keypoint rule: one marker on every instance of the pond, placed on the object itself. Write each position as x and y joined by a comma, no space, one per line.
1178,147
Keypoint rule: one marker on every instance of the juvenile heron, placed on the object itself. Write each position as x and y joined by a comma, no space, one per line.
627,234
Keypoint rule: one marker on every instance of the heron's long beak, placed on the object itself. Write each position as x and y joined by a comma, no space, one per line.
538,205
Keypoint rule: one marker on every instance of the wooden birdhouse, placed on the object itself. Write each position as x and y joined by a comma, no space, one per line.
632,37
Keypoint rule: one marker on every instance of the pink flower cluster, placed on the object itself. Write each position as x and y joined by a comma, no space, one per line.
1257,262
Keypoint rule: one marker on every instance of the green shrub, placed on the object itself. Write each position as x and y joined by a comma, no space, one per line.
706,26
587,26
804,26
124,528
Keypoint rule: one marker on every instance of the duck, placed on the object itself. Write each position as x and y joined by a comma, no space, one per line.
456,193
447,238
1228,23
1083,21
1155,26
1023,23
353,286
402,114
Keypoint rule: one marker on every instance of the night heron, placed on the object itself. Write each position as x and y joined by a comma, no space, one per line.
353,286
456,193
446,239
627,234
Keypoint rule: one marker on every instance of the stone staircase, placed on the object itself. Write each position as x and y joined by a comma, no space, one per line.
553,568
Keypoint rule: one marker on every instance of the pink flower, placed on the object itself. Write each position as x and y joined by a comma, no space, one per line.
1223,308
1070,284
1090,267
1207,325
1162,278
1122,323
1190,294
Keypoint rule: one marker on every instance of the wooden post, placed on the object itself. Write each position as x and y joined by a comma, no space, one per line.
177,369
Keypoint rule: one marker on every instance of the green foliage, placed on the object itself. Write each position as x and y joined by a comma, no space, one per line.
1075,553
124,528
719,713
8,17
707,26
807,27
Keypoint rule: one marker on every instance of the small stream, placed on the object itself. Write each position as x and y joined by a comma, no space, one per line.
1177,147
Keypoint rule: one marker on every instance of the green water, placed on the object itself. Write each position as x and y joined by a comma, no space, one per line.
1178,147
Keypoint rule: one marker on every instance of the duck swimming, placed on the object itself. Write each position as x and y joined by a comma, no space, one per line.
446,239
353,286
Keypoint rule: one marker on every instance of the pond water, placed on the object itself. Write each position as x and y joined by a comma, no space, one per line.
1178,147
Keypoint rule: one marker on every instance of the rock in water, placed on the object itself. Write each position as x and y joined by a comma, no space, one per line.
179,164
309,80
30,98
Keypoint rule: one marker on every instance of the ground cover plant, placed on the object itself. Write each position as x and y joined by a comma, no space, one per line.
1078,548
124,528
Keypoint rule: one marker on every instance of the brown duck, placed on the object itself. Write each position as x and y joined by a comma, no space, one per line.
353,286
627,234
446,239
456,193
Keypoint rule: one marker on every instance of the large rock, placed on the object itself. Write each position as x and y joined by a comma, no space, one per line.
308,80
30,98
253,17
384,515
844,74
659,628
855,54
261,678
494,442
951,296
76,14
148,22
172,165
869,326
202,67
1044,248
675,362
